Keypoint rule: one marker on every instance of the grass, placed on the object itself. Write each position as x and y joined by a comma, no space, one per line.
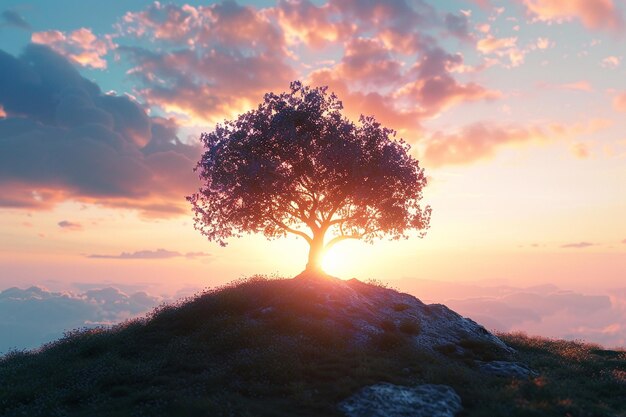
263,347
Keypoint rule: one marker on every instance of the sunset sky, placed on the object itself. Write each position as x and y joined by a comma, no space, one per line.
516,110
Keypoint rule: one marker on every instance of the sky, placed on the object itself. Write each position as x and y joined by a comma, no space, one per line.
515,109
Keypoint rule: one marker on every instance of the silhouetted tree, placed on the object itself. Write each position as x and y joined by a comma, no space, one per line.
296,165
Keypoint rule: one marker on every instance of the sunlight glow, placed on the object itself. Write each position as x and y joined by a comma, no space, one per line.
344,260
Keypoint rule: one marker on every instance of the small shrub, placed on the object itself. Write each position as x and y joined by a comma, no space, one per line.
387,341
447,349
401,307
410,326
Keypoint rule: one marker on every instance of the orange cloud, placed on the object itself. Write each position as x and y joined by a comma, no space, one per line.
236,54
502,47
305,22
491,44
619,102
594,14
81,46
580,150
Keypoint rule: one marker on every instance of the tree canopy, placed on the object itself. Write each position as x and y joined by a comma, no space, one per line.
296,165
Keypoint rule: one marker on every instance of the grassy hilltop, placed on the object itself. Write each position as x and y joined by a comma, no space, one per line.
263,347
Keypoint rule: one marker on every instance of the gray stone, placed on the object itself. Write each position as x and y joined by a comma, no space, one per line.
388,400
365,307
507,369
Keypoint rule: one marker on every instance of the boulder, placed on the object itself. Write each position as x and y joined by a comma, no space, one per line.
388,400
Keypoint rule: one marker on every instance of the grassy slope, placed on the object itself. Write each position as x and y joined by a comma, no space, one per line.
218,355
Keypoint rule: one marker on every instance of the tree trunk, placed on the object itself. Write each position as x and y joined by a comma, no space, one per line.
316,254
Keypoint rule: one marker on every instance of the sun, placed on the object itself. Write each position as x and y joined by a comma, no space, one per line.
342,260
332,262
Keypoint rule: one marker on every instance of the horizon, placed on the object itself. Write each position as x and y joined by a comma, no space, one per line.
515,110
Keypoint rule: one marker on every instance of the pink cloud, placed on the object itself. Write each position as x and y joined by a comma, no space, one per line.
502,48
543,43
80,46
581,85
491,44
384,107
594,14
611,62
480,141
389,67
368,62
475,142
435,89
580,150
619,102
305,22
221,72
413,94
577,86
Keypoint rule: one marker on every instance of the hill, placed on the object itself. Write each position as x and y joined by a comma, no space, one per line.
309,346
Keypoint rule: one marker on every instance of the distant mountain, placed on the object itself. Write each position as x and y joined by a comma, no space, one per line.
313,345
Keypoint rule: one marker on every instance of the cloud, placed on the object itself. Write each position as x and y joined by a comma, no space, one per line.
482,140
414,94
624,241
580,150
581,85
543,43
151,254
33,316
492,44
503,48
458,25
475,142
209,69
610,62
307,23
544,310
594,14
63,139
81,46
67,225
619,102
578,245
13,18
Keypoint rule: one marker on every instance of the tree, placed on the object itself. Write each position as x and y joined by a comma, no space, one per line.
296,165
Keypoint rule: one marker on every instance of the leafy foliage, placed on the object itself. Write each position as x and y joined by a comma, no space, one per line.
295,163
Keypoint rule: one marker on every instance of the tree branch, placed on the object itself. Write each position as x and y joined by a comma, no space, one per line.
290,230
338,239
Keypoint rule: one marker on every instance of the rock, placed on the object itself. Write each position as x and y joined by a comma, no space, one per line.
388,400
371,310
507,369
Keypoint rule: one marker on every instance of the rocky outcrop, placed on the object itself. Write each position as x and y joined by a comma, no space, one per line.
364,310
507,369
388,400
